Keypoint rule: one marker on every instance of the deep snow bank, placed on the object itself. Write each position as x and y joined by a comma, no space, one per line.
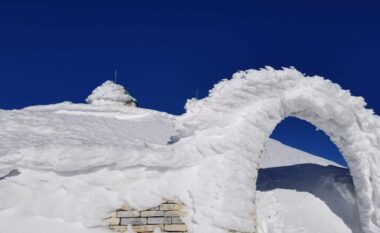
77,158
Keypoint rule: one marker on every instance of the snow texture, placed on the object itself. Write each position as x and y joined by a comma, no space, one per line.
243,112
109,93
298,198
79,162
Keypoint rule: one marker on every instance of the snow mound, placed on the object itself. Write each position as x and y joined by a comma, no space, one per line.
110,93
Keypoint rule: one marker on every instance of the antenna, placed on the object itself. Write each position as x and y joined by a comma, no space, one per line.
115,75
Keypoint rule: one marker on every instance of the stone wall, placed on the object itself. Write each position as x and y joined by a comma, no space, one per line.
168,217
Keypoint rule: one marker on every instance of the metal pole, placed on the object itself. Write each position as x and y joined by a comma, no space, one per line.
115,75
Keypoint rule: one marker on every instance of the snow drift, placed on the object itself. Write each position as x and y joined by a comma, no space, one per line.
72,168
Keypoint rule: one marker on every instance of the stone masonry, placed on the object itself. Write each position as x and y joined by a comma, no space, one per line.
168,216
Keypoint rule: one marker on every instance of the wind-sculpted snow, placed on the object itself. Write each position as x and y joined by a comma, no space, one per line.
248,107
79,162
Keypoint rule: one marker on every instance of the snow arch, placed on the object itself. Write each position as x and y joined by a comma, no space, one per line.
230,127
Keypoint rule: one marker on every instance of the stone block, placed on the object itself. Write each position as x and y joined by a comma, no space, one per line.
152,213
170,202
113,214
127,214
159,220
145,228
177,220
125,207
119,228
112,221
176,227
173,213
133,221
170,207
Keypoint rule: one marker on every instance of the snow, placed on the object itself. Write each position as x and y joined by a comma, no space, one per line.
75,163
298,198
280,155
247,108
287,217
109,93
13,222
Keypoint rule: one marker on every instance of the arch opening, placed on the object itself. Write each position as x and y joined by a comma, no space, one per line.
306,137
293,182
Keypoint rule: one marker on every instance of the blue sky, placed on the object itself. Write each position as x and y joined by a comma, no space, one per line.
52,51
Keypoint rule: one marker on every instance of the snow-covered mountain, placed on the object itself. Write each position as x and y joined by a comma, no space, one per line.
298,192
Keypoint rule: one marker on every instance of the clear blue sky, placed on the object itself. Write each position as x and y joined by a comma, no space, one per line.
52,51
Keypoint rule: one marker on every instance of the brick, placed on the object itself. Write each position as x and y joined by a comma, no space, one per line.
113,221
113,214
176,227
170,207
152,213
127,214
119,228
177,220
134,221
159,220
126,207
170,202
145,228
173,213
